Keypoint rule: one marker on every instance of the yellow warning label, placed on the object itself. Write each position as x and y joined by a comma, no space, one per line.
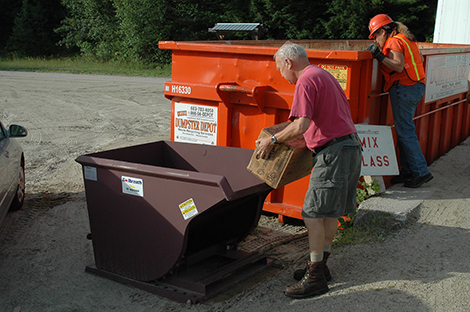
340,72
186,203
188,209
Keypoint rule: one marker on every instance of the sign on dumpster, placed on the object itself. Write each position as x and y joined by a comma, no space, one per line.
378,155
195,124
446,75
132,186
340,72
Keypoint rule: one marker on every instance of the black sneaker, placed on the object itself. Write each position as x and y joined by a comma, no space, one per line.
402,177
418,181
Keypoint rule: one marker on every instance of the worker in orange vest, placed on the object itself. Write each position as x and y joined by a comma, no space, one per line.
401,64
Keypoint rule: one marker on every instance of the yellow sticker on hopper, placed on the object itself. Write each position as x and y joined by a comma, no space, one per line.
188,209
340,72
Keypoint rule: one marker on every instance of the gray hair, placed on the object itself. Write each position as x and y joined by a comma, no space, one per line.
292,51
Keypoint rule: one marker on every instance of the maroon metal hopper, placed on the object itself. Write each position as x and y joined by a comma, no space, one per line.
166,217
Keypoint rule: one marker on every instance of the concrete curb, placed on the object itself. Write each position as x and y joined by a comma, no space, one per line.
392,208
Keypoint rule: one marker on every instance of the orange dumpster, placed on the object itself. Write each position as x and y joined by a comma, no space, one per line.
225,92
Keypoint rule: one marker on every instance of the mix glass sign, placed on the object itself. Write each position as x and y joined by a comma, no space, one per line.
378,155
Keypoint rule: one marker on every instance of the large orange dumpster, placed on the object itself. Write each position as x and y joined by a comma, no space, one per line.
224,93
443,119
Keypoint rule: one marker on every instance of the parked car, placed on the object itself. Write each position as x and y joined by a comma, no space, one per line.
12,179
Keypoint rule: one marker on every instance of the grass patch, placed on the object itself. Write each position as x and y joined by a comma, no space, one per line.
353,236
376,230
83,65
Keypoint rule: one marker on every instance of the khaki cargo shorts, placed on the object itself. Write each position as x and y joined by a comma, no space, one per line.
333,181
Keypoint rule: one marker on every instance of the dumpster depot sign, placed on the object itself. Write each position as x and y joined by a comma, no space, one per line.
378,156
195,124
132,186
188,209
340,72
446,75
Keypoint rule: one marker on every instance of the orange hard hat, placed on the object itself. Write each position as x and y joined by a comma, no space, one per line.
378,21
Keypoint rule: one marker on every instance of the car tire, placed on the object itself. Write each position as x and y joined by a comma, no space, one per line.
20,192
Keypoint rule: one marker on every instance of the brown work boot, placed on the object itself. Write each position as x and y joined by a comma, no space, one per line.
298,274
312,284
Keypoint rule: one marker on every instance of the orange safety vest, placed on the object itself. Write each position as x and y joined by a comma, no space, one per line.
413,69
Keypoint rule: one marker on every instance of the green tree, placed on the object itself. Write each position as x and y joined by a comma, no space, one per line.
92,26
349,19
9,11
418,15
302,19
142,23
130,30
32,33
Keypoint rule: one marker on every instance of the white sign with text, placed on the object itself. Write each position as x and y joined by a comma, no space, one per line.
446,75
195,124
378,156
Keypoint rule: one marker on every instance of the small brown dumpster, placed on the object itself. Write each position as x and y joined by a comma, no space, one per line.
166,217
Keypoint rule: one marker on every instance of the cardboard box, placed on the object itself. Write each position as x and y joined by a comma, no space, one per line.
287,162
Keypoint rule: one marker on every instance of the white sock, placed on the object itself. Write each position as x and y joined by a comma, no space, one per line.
316,257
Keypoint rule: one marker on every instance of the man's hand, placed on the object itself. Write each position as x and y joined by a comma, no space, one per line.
375,50
293,130
264,147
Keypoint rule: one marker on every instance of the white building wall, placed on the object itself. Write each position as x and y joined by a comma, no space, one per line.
452,22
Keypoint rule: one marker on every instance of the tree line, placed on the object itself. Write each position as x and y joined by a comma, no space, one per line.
129,30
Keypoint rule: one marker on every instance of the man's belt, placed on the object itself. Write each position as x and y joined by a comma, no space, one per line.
333,141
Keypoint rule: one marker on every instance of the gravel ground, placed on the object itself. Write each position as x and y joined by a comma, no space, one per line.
422,267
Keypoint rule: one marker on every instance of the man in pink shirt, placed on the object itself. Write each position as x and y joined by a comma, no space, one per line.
321,113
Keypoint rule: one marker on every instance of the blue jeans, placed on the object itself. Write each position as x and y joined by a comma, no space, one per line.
404,101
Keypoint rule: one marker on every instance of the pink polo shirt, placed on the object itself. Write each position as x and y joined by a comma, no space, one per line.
319,97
